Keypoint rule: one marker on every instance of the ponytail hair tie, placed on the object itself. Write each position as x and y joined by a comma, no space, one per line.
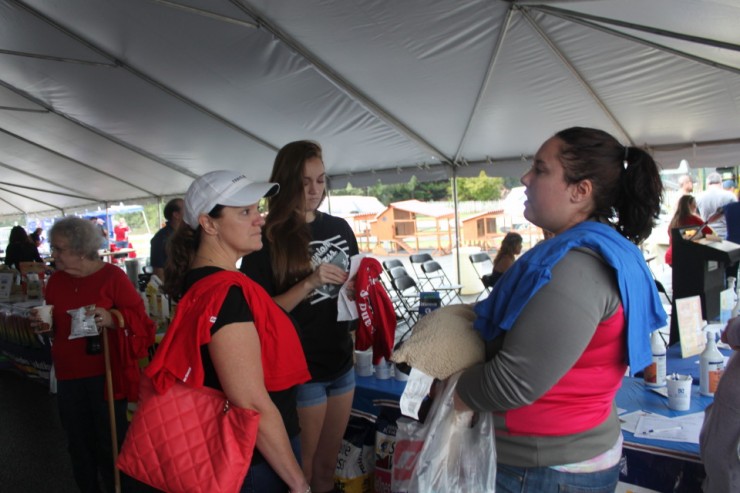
626,152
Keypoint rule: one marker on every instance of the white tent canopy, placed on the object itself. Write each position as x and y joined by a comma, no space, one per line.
102,101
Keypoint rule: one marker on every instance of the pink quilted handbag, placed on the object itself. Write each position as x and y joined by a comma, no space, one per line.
188,440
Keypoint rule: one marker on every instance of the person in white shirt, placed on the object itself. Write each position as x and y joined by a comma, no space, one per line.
712,200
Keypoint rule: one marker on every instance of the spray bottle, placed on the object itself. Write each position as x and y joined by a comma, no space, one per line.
654,374
712,364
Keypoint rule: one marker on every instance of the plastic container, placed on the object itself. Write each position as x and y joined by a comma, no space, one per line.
654,374
383,370
712,364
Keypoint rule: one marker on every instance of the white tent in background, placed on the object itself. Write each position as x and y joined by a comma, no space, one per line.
351,205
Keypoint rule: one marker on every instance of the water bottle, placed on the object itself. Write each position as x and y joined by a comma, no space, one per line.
654,374
736,308
712,365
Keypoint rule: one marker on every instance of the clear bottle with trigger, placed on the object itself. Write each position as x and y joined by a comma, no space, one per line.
712,364
654,374
732,283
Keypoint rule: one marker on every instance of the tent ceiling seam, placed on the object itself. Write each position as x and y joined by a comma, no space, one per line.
551,44
693,145
486,81
638,27
33,199
98,132
149,79
207,13
36,177
27,110
399,170
44,190
340,82
75,161
12,205
645,42
55,58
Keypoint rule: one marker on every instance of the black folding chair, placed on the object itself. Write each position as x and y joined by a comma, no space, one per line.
387,281
391,263
417,260
483,266
438,280
408,294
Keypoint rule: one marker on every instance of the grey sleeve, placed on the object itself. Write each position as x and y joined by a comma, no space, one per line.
547,339
733,332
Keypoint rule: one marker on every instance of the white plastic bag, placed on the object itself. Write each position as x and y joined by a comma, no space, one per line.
445,454
83,322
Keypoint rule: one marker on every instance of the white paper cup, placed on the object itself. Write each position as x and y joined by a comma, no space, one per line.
44,313
383,370
364,363
679,392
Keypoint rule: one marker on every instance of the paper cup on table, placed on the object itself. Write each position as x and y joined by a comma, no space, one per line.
679,391
44,313
383,370
364,363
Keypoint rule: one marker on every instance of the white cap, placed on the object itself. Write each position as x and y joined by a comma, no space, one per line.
224,187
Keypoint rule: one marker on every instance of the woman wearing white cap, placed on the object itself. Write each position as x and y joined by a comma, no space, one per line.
248,346
303,266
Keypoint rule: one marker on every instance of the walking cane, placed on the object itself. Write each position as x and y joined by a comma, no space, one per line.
111,411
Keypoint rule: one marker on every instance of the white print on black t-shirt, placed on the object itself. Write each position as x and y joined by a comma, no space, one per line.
335,251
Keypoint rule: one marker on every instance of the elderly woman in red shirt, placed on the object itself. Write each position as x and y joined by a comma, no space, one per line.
105,293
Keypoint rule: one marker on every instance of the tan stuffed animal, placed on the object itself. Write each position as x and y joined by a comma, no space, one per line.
443,342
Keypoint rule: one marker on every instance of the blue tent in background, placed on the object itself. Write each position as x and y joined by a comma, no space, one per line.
108,217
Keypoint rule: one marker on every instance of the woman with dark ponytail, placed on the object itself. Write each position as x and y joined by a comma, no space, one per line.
569,317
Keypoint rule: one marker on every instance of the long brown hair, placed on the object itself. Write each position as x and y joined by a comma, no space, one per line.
508,246
285,224
683,210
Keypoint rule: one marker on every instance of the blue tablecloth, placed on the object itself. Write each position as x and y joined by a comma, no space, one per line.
634,396
370,389
685,366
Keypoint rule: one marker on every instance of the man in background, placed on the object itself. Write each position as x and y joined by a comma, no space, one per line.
711,201
686,185
173,215
100,224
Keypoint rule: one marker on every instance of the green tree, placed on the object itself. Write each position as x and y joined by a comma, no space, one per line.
348,190
481,187
434,190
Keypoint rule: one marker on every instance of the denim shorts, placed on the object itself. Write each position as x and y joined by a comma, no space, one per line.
315,393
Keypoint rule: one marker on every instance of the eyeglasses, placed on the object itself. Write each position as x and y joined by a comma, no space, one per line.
56,249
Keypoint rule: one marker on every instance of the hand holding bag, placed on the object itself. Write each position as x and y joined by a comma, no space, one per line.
446,453
189,440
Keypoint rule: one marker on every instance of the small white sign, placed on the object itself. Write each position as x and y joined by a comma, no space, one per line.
6,285
417,389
